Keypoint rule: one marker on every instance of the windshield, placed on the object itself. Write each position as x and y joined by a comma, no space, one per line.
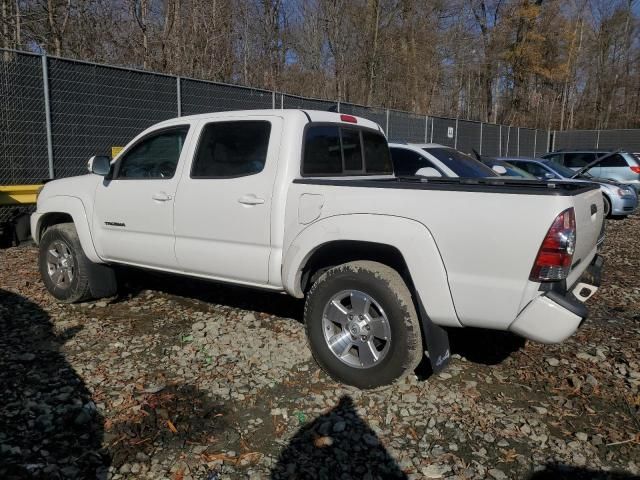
460,164
513,171
561,169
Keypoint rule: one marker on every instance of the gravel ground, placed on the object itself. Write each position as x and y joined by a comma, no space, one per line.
181,379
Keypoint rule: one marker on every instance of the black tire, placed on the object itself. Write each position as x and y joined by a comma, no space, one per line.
77,289
388,289
606,206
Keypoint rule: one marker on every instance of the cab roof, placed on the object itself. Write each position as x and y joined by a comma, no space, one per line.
303,115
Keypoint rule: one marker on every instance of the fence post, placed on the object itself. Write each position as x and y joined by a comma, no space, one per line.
535,142
553,140
506,153
47,114
386,128
273,100
598,140
426,127
338,105
179,95
282,101
455,136
518,146
480,152
499,140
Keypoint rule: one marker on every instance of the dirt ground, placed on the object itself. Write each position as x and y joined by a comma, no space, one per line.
183,379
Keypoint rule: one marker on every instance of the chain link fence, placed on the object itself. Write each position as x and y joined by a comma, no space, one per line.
55,113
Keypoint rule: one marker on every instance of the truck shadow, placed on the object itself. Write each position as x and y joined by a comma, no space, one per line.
50,425
338,444
486,347
132,282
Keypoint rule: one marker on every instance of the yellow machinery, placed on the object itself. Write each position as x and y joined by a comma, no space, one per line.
19,194
14,229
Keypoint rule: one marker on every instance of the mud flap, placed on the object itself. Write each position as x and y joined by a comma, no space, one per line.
102,280
437,339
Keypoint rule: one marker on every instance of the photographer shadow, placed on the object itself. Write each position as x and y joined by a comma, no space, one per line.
338,444
50,425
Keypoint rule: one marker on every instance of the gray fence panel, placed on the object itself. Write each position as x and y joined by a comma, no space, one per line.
490,140
377,115
625,139
292,101
468,136
204,97
509,138
406,127
542,142
576,139
527,142
94,108
441,131
23,137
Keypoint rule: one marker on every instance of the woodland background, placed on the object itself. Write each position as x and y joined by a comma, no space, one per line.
552,64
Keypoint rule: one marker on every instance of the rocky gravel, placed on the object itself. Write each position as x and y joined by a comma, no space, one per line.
182,379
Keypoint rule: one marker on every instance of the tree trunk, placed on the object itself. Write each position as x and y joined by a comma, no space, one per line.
371,63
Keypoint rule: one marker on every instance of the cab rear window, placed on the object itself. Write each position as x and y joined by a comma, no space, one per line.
332,150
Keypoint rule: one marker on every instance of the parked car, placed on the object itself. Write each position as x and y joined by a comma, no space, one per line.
409,158
306,202
622,166
506,169
619,199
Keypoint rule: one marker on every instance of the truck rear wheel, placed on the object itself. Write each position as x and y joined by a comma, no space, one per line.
64,267
362,326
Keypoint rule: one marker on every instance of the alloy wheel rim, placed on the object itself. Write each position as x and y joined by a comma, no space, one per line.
60,264
356,329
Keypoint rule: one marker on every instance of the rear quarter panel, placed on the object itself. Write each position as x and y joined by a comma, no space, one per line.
487,242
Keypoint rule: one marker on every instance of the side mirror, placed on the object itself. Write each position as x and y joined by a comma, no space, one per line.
428,172
99,164
549,175
499,169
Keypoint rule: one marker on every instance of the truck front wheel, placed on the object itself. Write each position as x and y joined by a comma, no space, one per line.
362,326
64,267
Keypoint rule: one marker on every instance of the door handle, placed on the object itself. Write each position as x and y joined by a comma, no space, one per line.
251,199
161,197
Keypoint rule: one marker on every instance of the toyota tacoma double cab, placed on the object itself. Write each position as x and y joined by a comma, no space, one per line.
306,202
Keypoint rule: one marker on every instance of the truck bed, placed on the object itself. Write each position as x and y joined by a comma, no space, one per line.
489,185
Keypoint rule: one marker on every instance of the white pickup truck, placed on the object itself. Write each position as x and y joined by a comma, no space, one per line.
305,202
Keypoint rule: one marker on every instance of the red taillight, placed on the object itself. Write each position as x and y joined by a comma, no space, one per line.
556,252
348,118
635,169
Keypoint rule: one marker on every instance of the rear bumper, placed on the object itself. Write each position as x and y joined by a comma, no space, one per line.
554,316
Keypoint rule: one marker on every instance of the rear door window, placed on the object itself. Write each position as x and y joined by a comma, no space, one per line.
555,158
578,159
231,149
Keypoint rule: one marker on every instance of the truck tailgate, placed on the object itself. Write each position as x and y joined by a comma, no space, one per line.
589,211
